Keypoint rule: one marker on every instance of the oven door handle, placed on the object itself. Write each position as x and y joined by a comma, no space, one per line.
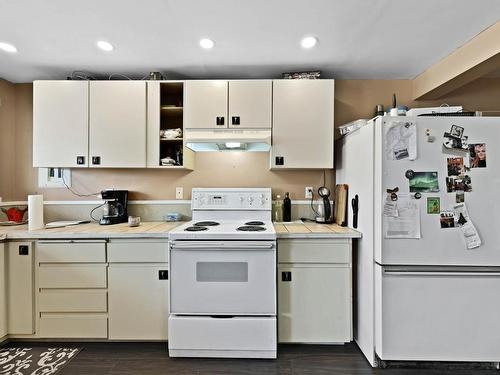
222,246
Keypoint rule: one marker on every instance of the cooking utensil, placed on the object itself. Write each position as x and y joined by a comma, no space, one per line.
355,208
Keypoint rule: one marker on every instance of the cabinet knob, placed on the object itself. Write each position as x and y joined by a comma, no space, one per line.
80,160
286,276
24,250
163,274
220,120
235,120
96,160
279,160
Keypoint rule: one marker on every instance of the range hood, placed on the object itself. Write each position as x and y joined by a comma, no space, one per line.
228,139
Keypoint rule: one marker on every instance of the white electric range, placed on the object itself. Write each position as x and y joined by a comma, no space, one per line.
223,277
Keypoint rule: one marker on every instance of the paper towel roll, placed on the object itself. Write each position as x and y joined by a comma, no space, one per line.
35,212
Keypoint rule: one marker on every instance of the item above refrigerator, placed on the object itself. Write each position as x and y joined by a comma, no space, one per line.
433,110
352,126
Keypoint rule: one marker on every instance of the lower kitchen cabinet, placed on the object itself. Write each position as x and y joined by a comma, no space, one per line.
3,305
138,302
19,290
314,291
138,289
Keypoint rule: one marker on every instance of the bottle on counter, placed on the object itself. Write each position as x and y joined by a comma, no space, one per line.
287,208
278,209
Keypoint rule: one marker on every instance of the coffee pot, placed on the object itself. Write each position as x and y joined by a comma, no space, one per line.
324,208
115,207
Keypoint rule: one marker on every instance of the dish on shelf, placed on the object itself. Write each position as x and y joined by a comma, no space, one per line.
170,133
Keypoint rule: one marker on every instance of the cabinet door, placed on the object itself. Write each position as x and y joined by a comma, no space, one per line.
314,304
138,301
19,264
117,124
205,104
250,104
3,304
60,123
303,132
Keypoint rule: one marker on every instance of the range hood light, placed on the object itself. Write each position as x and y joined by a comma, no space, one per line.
233,144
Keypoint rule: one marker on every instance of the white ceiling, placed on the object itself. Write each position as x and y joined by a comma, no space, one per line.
254,38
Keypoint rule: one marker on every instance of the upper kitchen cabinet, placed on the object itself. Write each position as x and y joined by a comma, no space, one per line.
117,129
60,124
250,104
303,132
205,104
228,104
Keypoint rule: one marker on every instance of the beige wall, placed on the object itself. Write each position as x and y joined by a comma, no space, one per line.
7,139
356,99
353,99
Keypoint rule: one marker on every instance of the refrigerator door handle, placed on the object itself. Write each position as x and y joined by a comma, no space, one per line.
439,273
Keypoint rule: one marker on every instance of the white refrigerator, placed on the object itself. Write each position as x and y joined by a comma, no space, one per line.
429,298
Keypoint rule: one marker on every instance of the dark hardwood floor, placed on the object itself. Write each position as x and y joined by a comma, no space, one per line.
152,359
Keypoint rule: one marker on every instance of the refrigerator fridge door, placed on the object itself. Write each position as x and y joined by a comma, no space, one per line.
437,314
354,164
444,246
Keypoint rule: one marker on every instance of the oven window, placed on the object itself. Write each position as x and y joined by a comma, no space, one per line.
222,272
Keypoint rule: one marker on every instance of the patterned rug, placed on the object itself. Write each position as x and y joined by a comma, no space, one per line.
35,361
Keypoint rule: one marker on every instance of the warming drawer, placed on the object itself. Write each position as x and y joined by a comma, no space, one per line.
250,337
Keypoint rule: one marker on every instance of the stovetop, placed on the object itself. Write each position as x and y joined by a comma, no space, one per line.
225,229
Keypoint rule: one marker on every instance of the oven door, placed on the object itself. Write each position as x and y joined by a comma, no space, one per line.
223,278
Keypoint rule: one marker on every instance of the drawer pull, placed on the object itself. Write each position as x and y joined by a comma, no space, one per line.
163,274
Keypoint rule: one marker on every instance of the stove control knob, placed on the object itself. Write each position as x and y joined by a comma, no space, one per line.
250,200
201,199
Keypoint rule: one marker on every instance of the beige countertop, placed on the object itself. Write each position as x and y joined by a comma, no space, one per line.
299,229
93,230
295,229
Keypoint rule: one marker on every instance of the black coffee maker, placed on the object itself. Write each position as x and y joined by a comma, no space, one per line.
115,207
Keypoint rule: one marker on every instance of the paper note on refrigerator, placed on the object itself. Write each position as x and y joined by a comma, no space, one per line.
401,140
471,236
407,223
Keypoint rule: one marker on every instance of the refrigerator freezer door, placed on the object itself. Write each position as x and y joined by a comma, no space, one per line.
445,246
449,315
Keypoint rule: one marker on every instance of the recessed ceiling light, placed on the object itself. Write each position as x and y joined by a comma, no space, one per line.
7,47
105,46
309,41
207,43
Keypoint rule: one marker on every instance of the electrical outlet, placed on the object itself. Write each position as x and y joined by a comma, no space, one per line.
179,193
308,192
54,177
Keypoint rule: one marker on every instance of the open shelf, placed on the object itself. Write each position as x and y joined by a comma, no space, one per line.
171,117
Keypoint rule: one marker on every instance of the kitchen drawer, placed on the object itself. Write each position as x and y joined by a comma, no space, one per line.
79,326
71,252
57,300
72,276
314,251
139,251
